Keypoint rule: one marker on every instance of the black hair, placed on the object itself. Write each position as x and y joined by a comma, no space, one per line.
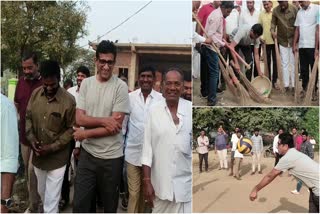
50,68
106,46
68,82
227,4
256,130
29,54
174,69
239,131
286,138
148,68
187,76
280,128
305,133
136,84
257,29
84,69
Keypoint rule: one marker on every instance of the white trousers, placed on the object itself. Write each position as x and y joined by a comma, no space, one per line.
256,158
195,63
287,62
222,154
49,187
165,206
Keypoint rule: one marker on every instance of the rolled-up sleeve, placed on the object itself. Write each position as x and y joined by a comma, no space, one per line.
147,153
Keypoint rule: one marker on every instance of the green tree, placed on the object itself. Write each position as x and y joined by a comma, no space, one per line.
86,58
311,123
50,28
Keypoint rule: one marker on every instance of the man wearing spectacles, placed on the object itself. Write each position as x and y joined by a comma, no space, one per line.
101,107
299,165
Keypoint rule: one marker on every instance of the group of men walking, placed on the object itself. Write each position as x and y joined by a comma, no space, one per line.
87,120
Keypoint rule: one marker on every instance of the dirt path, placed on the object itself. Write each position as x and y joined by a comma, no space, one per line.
227,98
215,191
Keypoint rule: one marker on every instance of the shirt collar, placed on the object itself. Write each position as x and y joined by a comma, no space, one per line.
152,93
181,108
56,96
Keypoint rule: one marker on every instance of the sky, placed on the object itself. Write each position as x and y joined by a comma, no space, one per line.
165,22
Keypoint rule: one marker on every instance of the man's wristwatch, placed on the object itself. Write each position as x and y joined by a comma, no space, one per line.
7,202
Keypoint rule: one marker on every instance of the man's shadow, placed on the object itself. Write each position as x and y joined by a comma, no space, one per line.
288,206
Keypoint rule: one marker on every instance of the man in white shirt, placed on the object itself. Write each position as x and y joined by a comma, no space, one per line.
257,148
203,143
140,102
234,141
166,154
305,32
249,16
276,154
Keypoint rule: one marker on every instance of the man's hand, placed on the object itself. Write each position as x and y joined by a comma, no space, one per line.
237,67
45,149
261,74
35,145
294,49
79,134
76,153
148,192
262,40
208,40
112,124
274,34
316,53
253,195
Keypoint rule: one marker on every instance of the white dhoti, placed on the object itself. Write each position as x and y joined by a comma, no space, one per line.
165,206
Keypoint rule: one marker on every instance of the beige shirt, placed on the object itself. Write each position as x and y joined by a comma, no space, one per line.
101,100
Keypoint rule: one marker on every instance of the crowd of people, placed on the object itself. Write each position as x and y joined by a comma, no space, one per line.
299,142
243,29
114,141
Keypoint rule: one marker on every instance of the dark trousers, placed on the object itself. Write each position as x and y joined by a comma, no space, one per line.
271,53
313,202
277,158
95,173
65,191
213,75
205,157
203,72
248,53
306,59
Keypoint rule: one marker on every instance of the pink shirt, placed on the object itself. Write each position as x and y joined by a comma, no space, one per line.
203,14
298,141
203,143
215,26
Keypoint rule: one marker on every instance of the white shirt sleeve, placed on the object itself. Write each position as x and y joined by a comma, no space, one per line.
147,153
275,144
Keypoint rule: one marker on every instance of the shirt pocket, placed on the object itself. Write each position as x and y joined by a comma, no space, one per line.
55,122
184,144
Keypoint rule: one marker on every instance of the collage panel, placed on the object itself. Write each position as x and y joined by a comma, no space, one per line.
261,160
102,91
248,53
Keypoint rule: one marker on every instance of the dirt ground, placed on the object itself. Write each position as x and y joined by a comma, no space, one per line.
227,99
215,191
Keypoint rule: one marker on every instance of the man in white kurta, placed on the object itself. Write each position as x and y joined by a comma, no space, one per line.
140,102
166,154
